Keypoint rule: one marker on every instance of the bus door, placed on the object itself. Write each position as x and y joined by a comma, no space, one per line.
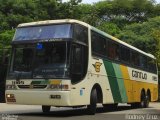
4,60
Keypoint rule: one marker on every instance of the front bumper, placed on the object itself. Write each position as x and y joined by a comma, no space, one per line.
28,97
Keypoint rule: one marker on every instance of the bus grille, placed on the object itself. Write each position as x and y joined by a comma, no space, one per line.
32,86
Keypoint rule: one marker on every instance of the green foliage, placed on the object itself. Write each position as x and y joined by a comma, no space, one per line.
145,36
109,28
6,37
122,12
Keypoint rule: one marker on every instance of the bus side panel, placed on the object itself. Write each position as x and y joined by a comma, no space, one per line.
139,83
99,76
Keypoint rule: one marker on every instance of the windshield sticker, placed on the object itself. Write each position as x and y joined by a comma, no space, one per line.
39,46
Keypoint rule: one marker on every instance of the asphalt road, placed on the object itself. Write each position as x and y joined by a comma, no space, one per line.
124,112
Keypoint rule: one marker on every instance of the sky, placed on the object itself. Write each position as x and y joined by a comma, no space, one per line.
93,1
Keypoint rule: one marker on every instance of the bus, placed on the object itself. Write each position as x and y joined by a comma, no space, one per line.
69,63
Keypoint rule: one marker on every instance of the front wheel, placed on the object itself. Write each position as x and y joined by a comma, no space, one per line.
46,109
93,103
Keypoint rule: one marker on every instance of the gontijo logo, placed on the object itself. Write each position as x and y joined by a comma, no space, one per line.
97,66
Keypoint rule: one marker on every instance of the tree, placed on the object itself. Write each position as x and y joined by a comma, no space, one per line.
123,12
145,36
109,28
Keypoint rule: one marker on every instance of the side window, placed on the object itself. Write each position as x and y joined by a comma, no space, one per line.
125,54
81,33
135,58
152,65
143,62
98,45
113,51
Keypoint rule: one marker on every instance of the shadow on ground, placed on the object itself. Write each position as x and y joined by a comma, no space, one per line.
73,112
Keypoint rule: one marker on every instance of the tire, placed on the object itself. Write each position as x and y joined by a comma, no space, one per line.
146,104
46,109
91,109
110,106
143,103
143,100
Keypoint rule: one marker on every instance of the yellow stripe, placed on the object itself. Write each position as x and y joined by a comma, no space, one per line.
127,82
133,88
125,72
138,86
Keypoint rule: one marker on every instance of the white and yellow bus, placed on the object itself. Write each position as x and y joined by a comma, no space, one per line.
68,63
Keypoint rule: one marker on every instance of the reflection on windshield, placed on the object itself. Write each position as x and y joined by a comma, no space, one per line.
43,32
48,60
23,59
21,65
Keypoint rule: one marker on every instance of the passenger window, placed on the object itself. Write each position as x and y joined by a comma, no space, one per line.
98,45
125,54
113,51
135,58
152,65
143,62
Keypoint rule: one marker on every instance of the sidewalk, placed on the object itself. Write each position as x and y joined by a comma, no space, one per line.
155,105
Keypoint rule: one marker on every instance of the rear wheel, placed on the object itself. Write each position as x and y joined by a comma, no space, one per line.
143,103
146,104
143,100
93,103
46,109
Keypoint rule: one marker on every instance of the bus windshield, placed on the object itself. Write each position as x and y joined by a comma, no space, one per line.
43,32
44,60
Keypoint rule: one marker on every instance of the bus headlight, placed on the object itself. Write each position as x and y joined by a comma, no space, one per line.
59,87
10,98
10,87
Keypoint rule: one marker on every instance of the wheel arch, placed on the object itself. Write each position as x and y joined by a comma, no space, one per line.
99,92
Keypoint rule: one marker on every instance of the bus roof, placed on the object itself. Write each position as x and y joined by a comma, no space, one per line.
47,22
